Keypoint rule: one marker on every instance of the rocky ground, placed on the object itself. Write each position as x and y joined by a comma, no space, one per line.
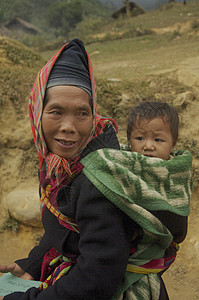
19,214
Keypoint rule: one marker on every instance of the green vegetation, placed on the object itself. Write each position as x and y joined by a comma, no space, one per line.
92,22
64,16
166,15
17,8
195,178
132,63
51,15
19,66
17,55
10,224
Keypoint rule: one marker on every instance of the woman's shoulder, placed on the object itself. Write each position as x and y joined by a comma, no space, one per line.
108,139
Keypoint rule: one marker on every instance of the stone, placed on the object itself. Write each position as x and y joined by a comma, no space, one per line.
23,205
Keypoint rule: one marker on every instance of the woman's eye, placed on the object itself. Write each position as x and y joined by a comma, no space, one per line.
83,114
56,112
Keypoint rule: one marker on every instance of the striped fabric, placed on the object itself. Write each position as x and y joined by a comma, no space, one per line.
55,165
64,220
54,267
137,185
36,104
54,170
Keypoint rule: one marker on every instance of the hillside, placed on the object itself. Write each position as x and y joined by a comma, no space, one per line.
38,12
150,57
171,15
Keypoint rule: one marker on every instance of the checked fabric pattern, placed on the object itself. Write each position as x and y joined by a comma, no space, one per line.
137,184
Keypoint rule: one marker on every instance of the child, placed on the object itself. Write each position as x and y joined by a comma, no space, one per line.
152,189
84,251
153,129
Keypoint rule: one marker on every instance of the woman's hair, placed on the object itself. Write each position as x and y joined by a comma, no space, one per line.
152,110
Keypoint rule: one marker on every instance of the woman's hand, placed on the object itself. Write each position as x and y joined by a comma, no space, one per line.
16,270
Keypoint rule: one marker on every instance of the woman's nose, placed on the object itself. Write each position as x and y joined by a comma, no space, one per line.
68,125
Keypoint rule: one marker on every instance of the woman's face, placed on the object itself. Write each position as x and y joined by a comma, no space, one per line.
66,120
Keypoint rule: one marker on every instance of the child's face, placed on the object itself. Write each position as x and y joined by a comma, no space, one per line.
152,138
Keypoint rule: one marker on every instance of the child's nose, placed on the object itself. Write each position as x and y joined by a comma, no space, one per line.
148,145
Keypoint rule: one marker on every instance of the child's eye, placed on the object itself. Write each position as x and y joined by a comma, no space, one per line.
139,138
159,140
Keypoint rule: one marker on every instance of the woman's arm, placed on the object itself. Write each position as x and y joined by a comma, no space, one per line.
32,264
105,239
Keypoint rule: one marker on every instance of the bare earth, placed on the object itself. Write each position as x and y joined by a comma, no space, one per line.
183,276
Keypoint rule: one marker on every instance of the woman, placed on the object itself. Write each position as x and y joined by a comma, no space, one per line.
87,238
92,225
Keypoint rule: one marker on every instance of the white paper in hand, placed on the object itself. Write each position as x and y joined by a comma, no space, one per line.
10,284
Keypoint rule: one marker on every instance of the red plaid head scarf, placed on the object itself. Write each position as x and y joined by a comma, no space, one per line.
54,164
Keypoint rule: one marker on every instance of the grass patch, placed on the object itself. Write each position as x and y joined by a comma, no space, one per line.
19,66
195,178
195,24
188,144
17,54
10,224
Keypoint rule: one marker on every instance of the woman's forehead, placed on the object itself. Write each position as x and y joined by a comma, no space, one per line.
67,96
66,89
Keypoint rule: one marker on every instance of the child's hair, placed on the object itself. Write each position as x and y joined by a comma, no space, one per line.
152,110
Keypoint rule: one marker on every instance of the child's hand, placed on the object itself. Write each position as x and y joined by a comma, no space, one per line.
1,297
16,270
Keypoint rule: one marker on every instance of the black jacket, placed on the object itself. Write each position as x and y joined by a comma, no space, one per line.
102,245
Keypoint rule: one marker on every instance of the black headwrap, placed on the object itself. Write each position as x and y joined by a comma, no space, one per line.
71,68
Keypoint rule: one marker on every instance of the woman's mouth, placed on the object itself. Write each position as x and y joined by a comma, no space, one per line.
66,143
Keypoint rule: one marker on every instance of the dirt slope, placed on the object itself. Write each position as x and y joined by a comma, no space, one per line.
18,157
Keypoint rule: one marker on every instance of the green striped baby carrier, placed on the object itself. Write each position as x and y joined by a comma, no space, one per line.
137,185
